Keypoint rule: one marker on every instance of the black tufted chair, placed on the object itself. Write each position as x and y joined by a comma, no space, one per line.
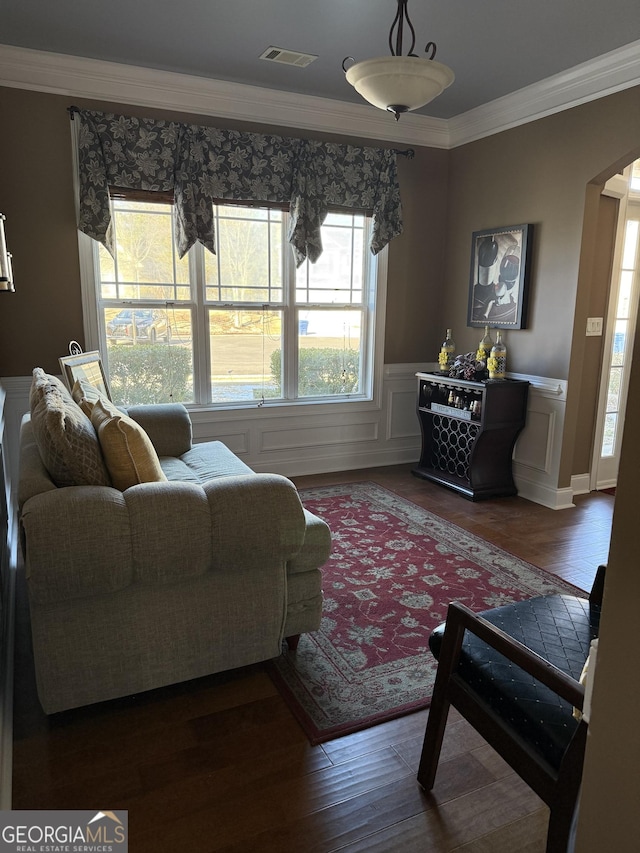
513,673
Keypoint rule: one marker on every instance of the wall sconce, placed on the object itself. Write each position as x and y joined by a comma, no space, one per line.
6,270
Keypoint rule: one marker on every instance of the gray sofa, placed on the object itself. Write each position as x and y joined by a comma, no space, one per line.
164,581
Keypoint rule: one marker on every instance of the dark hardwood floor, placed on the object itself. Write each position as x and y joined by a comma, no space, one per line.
220,764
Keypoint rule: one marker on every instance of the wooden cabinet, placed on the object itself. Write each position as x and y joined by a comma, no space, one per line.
469,430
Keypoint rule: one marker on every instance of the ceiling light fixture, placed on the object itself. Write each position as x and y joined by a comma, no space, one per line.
399,83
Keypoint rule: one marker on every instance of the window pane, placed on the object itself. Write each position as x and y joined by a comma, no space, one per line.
613,390
624,294
246,358
107,265
329,353
337,276
248,264
150,355
145,250
619,343
630,243
609,436
182,276
147,265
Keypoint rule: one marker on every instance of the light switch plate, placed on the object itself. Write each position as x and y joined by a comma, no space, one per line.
594,326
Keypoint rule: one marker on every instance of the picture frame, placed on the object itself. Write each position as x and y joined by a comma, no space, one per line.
499,277
87,366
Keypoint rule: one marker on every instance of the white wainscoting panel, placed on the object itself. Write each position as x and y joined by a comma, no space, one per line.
536,459
311,439
402,421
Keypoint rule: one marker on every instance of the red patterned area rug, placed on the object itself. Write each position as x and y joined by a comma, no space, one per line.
394,569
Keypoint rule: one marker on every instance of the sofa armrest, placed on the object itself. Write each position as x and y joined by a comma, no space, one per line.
168,425
94,540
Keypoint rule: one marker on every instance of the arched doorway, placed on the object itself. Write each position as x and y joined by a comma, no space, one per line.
620,329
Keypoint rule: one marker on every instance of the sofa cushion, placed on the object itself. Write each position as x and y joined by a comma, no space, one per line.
127,449
67,441
210,460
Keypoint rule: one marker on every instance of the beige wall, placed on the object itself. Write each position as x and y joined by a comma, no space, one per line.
596,298
535,173
539,173
37,323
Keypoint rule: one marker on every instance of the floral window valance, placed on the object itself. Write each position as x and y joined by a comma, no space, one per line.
203,165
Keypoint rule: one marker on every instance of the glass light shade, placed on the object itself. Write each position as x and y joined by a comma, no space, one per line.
399,83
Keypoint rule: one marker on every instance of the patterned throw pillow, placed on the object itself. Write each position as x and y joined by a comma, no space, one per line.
67,441
127,449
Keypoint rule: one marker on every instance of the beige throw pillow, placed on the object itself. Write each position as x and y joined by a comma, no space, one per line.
127,449
67,441
86,395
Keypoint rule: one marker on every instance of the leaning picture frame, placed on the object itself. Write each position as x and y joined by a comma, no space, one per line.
499,277
87,366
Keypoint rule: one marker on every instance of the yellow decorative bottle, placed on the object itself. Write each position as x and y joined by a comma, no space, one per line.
447,352
485,346
497,361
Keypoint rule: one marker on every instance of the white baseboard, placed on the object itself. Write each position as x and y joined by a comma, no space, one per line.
544,495
581,484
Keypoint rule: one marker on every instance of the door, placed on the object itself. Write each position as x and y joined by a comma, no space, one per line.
620,335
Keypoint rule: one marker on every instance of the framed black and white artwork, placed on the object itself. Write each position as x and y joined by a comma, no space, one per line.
499,278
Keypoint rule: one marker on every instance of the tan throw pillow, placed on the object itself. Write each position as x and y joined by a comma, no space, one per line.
127,449
86,395
67,441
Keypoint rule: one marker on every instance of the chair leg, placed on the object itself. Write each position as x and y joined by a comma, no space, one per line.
433,737
558,832
439,710
565,800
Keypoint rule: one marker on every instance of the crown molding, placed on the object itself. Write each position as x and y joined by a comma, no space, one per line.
619,69
79,77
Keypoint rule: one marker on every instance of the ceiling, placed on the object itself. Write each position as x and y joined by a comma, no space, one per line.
495,47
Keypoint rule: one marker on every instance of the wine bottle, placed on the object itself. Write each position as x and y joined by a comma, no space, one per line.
485,346
497,362
447,352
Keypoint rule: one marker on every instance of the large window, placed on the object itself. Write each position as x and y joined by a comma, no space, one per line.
244,326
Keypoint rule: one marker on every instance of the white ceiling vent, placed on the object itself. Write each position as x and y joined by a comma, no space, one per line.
288,57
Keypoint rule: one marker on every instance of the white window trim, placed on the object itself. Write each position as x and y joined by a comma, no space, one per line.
90,277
